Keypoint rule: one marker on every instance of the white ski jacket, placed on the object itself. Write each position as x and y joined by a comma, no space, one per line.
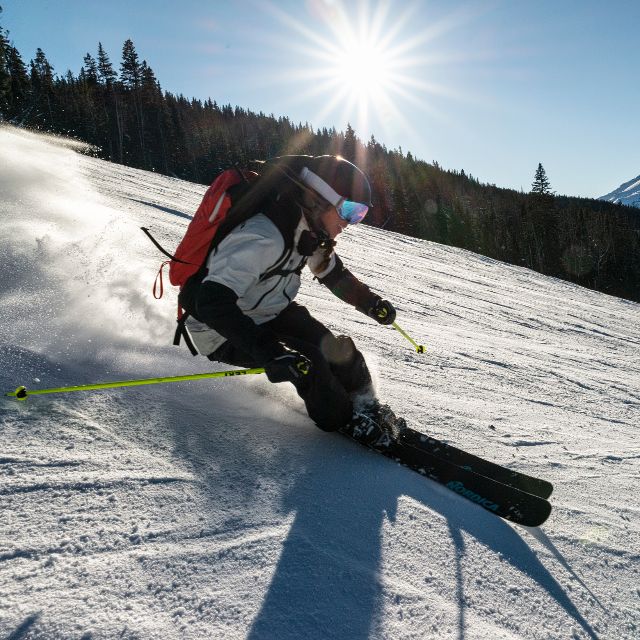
252,262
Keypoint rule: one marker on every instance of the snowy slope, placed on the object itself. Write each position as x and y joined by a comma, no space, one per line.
217,510
627,193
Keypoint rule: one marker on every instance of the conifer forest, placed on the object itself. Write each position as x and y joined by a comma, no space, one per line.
122,111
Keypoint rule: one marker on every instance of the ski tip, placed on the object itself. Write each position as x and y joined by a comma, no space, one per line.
538,518
546,490
535,486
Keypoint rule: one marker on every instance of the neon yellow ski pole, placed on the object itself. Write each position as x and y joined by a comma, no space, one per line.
21,393
382,313
419,347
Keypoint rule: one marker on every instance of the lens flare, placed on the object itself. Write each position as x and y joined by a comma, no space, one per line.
366,63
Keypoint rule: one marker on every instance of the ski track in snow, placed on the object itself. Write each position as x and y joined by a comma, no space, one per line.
216,509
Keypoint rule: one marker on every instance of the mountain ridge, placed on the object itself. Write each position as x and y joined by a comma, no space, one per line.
627,193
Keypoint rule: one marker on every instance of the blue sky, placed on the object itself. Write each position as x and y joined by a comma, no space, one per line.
491,87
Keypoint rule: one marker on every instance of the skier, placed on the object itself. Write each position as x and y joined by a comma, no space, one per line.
242,312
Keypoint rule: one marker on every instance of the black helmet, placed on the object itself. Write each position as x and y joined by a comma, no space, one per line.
343,177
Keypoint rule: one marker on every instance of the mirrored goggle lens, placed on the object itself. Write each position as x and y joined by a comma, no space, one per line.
352,212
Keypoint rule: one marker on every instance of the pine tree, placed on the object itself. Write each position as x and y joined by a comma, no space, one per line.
90,70
20,86
43,90
105,68
5,75
131,72
349,145
112,116
154,119
541,184
540,241
130,69
42,69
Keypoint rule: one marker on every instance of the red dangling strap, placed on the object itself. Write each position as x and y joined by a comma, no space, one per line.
159,279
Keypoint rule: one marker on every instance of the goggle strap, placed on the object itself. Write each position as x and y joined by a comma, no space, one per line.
321,187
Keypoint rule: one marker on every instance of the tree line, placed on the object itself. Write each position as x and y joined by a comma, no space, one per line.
130,120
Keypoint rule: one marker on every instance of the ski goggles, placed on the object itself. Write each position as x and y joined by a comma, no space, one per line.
350,211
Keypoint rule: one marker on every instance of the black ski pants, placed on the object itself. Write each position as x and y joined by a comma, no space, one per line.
338,369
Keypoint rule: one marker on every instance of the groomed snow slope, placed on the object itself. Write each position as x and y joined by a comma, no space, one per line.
217,510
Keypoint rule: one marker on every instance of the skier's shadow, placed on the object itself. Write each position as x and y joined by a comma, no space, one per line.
328,580
326,583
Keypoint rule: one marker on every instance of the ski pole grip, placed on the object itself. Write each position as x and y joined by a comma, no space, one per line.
303,368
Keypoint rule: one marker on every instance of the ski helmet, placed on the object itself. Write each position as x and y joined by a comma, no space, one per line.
336,180
343,177
340,183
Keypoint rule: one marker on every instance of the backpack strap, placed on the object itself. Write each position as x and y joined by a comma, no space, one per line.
283,213
161,248
278,269
181,332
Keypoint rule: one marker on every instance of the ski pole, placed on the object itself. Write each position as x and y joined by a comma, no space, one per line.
21,392
397,327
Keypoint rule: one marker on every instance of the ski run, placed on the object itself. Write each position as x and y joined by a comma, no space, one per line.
215,509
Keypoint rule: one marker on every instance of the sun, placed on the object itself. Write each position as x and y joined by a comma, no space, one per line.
376,65
363,68
358,60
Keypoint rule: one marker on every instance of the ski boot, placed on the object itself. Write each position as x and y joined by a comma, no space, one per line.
390,421
364,429
383,415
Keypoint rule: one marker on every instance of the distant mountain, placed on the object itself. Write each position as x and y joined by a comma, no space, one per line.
627,193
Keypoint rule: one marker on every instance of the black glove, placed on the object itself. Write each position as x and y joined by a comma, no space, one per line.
382,312
286,365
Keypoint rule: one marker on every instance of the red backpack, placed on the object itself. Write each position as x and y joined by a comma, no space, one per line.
199,239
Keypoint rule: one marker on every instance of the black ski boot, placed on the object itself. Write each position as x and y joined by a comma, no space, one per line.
366,430
390,421
376,425
384,416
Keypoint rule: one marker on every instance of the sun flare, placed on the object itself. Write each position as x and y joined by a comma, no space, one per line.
366,61
363,68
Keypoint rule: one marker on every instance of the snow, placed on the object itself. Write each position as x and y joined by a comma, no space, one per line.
627,193
215,509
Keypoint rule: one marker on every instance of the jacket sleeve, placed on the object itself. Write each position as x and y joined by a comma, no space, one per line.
343,284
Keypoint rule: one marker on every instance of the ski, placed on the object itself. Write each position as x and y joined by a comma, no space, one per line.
500,499
516,479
